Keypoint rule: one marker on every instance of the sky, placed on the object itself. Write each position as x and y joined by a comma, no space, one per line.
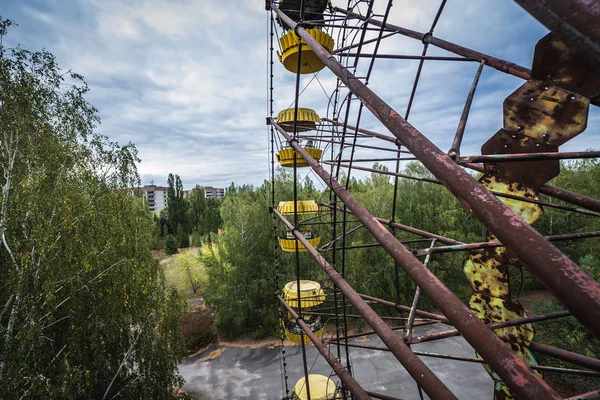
187,80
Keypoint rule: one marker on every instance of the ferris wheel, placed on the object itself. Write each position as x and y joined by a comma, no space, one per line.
551,107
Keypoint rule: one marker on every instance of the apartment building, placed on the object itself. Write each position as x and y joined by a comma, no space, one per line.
217,193
157,197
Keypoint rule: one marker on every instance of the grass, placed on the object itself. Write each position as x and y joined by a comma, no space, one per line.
180,268
197,324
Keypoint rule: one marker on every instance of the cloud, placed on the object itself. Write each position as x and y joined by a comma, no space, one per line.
186,80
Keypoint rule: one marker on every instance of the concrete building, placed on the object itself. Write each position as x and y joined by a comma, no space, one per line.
217,193
157,197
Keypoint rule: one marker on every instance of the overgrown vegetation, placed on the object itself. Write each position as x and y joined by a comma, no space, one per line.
84,309
195,216
244,267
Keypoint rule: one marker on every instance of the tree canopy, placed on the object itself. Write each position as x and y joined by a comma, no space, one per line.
83,309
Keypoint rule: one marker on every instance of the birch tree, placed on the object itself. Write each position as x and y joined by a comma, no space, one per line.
83,309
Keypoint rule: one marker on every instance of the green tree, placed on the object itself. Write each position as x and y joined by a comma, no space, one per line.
177,206
240,266
83,308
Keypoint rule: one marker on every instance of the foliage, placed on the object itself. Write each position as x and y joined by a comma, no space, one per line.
85,313
170,244
177,206
568,334
240,266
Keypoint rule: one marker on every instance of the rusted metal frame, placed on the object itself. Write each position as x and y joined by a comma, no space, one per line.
402,307
514,371
407,336
358,246
584,396
394,328
345,234
575,21
415,367
295,199
408,57
353,148
571,197
568,371
322,223
352,46
382,396
496,158
413,230
360,27
383,317
516,322
368,245
373,159
488,245
579,359
333,200
499,194
454,151
500,65
338,368
562,194
367,132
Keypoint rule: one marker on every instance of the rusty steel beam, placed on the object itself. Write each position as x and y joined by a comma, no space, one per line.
498,325
500,65
562,194
514,371
415,367
408,331
367,132
575,21
406,57
338,368
565,355
567,155
571,197
565,279
584,396
401,307
382,396
410,229
488,245
499,194
568,371
454,151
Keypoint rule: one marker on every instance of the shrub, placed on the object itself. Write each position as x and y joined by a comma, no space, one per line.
170,244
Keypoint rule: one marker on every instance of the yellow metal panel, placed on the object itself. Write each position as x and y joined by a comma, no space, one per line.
310,62
321,388
304,207
306,121
311,294
289,245
286,157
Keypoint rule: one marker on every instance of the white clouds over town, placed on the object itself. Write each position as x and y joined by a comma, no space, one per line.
186,80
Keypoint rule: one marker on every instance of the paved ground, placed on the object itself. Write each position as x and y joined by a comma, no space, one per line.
254,373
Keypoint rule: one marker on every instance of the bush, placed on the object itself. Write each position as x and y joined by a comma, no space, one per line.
198,330
184,241
196,239
170,244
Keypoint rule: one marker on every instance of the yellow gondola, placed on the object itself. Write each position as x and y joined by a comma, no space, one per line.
285,157
288,243
310,62
311,295
307,119
321,388
304,207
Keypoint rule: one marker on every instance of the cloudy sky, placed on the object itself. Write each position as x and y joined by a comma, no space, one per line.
186,80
